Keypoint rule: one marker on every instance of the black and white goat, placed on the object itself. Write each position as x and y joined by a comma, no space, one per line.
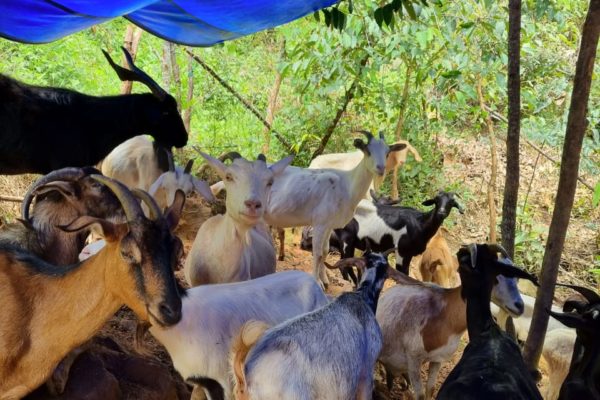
60,197
384,226
329,353
45,128
583,379
491,366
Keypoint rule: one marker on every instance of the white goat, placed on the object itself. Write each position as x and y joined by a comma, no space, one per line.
423,322
325,198
140,163
347,161
327,354
557,352
236,246
213,314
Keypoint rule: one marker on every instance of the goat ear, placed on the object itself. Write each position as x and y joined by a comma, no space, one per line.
174,212
67,189
280,165
510,271
571,305
571,320
359,144
430,202
397,147
111,232
203,189
217,165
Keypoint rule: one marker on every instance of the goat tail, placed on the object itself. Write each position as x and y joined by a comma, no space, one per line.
241,345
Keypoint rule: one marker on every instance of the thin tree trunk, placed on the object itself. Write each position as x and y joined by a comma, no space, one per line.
271,107
348,96
403,102
131,42
511,183
187,115
491,194
166,66
245,102
569,167
176,76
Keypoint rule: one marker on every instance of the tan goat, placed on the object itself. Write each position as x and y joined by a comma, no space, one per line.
438,265
48,310
394,161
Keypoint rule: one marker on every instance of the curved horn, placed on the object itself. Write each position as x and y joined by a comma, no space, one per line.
368,134
153,207
499,249
133,210
232,155
381,136
359,262
473,251
589,294
64,174
188,167
262,157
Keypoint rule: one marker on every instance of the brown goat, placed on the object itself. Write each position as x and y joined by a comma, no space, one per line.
394,161
48,310
438,265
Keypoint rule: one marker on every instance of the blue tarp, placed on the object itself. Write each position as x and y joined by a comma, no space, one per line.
189,22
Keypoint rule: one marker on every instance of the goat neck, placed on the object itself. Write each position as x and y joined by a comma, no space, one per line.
585,368
458,318
479,315
360,180
432,222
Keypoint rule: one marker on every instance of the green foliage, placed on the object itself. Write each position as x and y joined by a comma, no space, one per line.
530,239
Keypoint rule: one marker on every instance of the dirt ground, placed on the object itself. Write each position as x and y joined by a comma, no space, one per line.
465,161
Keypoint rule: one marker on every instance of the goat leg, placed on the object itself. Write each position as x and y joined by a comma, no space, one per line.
281,237
57,382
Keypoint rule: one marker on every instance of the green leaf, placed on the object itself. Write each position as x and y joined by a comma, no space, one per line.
467,25
379,17
408,5
317,16
327,15
451,74
596,198
388,15
397,5
350,7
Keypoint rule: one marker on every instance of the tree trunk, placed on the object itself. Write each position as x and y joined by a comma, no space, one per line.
511,183
347,99
176,76
131,42
569,168
271,107
166,66
403,101
491,194
187,115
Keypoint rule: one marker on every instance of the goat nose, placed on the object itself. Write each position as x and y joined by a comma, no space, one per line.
169,314
380,169
253,204
519,306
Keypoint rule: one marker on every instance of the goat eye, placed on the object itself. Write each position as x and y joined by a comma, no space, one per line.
270,183
229,178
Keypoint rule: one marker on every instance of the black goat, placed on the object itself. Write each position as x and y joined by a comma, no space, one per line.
61,197
386,226
491,366
583,379
44,128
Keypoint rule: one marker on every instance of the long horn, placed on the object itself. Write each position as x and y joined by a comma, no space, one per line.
262,157
135,74
188,167
132,208
232,155
368,134
153,207
64,174
499,249
589,294
359,262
